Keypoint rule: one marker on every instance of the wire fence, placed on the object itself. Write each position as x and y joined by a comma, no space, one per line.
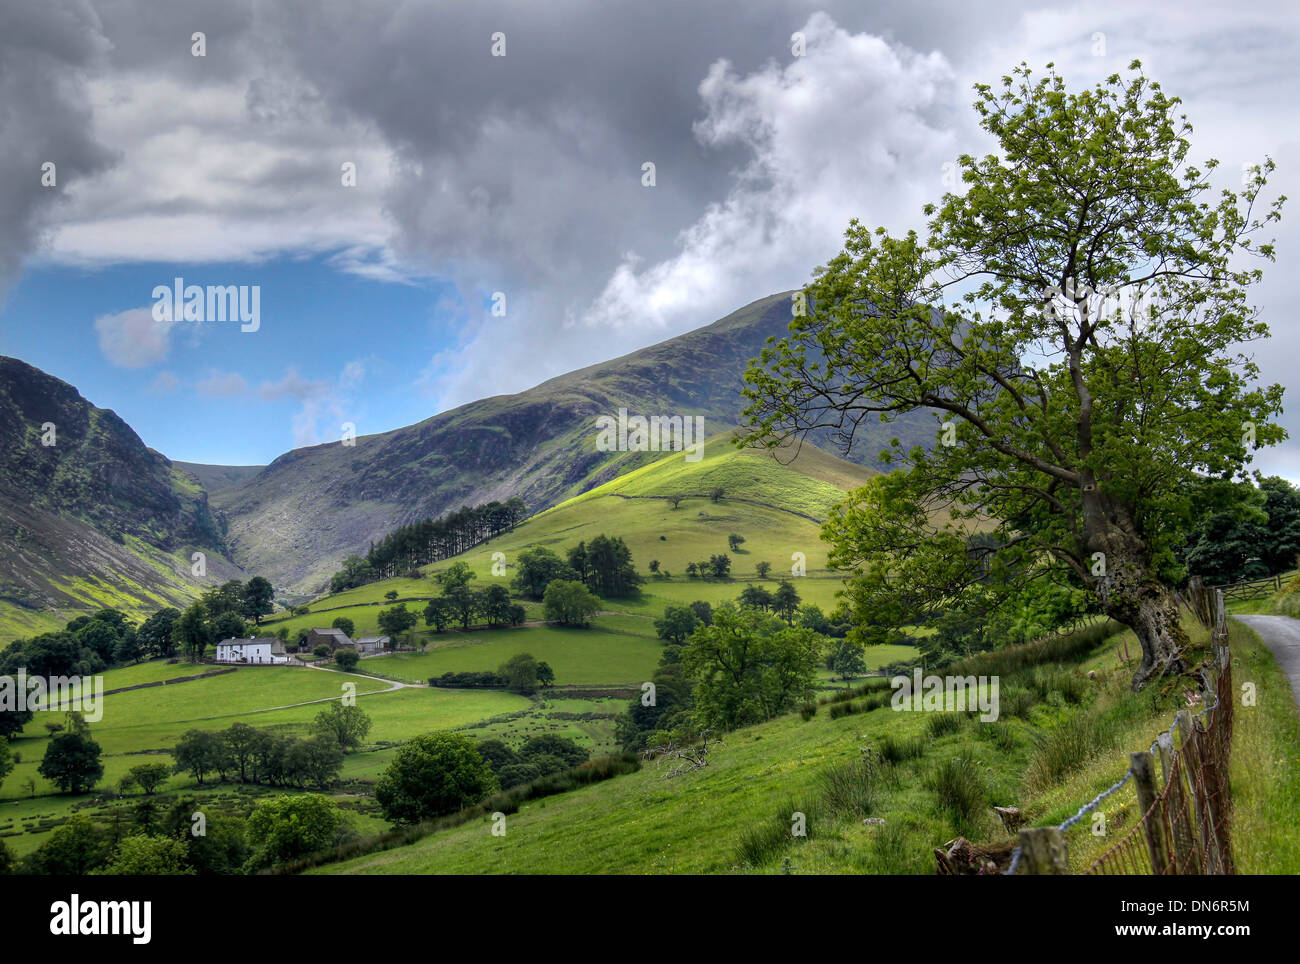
1186,814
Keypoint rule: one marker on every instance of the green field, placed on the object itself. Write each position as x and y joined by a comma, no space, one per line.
581,657
695,823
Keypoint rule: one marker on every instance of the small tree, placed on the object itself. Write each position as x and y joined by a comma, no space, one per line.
847,661
433,775
393,622
143,855
735,541
345,624
72,763
721,565
675,500
762,568
390,595
346,658
545,675
286,827
653,565
716,493
149,776
570,603
677,623
785,601
346,725
520,673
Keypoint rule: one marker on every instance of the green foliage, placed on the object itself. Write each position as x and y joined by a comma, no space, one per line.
1245,532
149,856
348,726
149,776
520,673
677,623
394,622
258,599
535,569
287,827
154,636
851,789
748,667
6,760
569,603
847,661
77,848
346,659
1090,373
345,624
72,762
433,775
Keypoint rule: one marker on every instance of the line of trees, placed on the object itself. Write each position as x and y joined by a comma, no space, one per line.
604,565
259,756
429,540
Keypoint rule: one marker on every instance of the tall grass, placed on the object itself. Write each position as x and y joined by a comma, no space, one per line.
1068,746
1011,660
945,724
898,749
961,788
851,789
760,845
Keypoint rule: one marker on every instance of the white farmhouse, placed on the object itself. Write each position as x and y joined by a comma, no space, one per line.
265,649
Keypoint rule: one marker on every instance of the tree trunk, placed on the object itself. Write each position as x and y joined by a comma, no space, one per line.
1131,593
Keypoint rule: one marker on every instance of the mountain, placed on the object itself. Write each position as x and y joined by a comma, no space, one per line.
89,515
214,478
296,520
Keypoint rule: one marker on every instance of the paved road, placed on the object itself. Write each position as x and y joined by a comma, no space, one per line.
1282,635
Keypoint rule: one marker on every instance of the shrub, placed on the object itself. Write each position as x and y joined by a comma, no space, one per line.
960,786
849,789
808,711
1067,747
433,775
762,844
897,749
944,724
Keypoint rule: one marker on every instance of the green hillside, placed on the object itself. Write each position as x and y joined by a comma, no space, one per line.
935,776
296,520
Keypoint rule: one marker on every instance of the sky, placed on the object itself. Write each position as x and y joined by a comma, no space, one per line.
428,221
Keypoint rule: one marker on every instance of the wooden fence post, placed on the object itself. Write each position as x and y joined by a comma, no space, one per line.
1042,851
1165,744
1145,777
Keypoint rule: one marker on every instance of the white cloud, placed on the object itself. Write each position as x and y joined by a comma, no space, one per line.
223,385
132,339
164,384
857,127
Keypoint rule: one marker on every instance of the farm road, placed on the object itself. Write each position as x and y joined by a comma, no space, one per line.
1281,634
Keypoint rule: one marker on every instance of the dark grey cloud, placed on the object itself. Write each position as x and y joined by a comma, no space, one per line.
46,51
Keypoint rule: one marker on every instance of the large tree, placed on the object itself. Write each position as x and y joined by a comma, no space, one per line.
1074,320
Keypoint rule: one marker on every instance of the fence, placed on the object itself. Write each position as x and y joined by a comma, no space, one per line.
1185,825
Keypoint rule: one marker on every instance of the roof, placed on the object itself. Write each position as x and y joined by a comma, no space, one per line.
332,631
373,639
276,645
